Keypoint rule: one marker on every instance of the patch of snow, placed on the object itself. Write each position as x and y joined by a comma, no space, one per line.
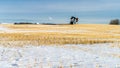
5,29
76,56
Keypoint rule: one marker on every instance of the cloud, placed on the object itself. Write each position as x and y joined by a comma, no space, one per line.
60,6
94,20
50,18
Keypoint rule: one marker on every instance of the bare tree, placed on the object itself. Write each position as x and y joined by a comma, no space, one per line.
114,22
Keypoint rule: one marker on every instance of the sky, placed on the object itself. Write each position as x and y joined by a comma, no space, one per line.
59,11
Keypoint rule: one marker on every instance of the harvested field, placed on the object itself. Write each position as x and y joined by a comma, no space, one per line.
60,46
58,34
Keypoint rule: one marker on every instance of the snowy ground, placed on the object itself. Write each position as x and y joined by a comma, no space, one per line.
67,56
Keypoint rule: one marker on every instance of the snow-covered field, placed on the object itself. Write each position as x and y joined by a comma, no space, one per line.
66,56
105,55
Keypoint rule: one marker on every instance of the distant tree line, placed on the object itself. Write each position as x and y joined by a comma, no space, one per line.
25,23
115,22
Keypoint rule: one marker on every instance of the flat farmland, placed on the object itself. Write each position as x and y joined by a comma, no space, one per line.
21,35
60,46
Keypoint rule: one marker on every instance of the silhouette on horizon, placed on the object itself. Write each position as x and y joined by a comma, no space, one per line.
74,20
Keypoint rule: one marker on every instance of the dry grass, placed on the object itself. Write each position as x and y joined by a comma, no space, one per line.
59,34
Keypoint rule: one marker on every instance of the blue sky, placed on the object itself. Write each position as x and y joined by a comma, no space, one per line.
59,11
